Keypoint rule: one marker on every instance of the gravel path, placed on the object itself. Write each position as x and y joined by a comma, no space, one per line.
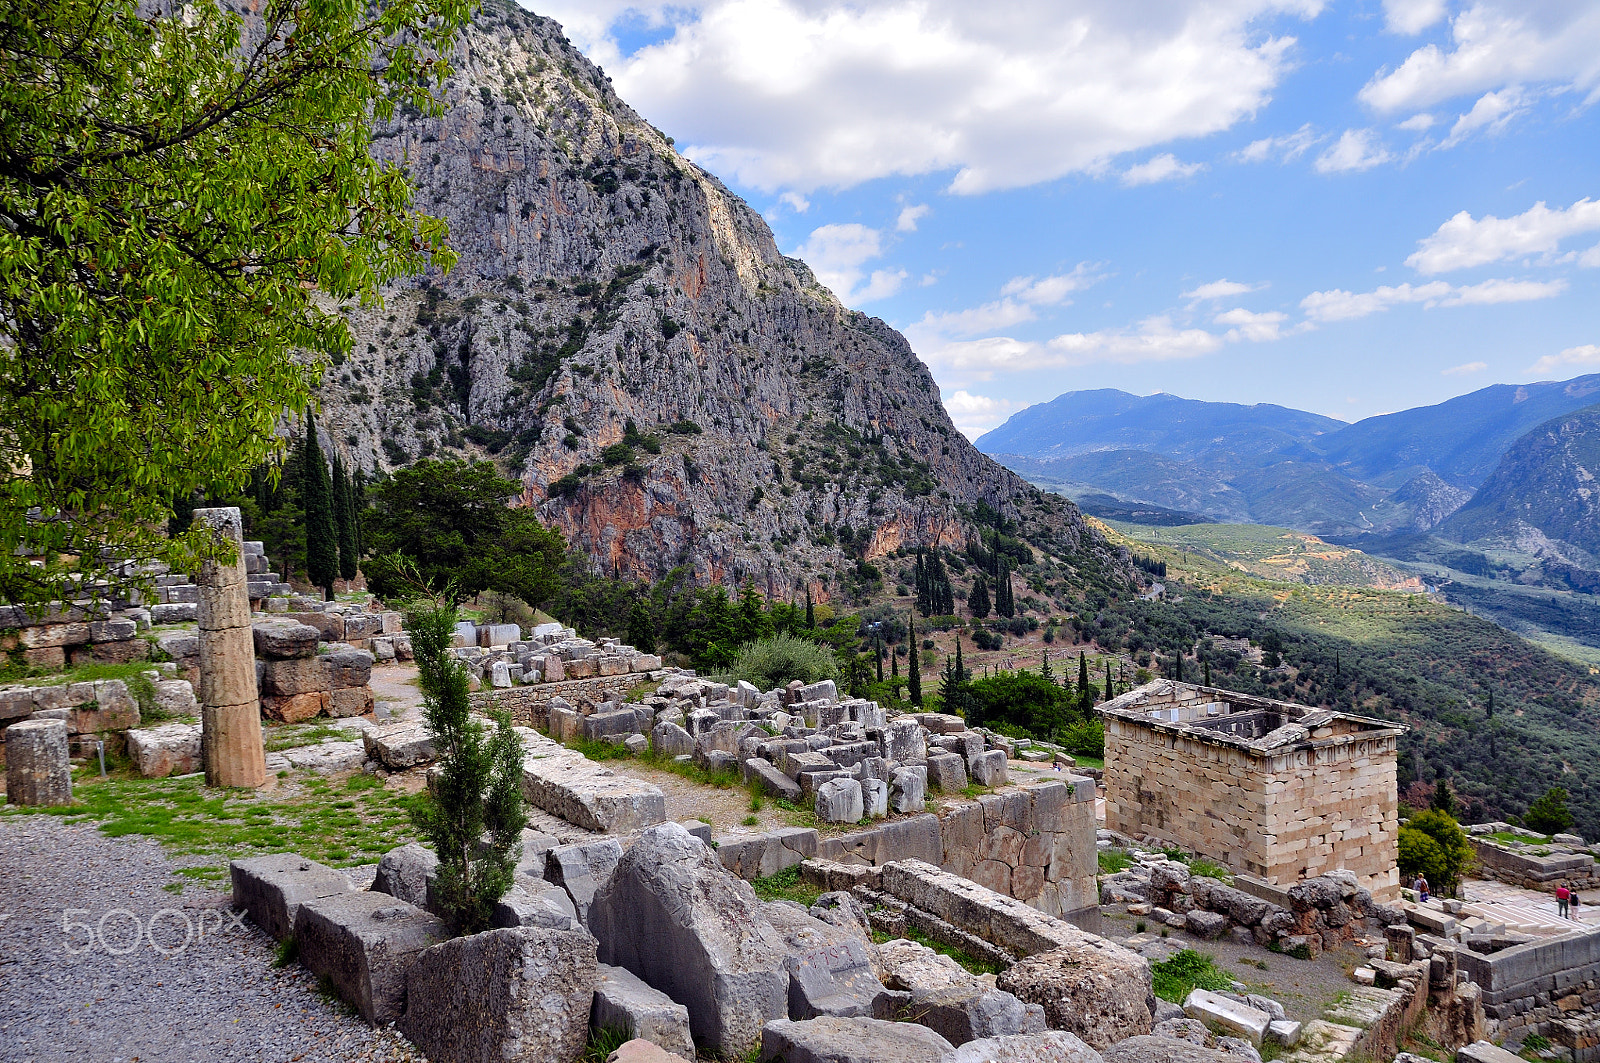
216,999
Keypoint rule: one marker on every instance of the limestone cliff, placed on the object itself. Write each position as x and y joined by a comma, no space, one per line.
604,280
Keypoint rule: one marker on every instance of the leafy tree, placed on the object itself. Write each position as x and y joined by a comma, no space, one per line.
322,537
451,521
775,661
1420,854
1454,853
1548,814
978,600
857,672
1021,699
178,237
473,813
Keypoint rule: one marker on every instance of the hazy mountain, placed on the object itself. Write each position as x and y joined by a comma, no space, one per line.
1543,497
606,283
1080,422
1460,439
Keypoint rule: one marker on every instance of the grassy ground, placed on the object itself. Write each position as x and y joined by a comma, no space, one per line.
337,822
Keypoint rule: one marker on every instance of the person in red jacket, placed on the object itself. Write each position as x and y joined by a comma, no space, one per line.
1563,899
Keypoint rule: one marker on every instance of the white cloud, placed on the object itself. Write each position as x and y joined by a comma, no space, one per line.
1286,148
1152,340
1251,326
1463,241
1357,149
1019,298
1052,290
1161,168
838,254
1222,289
796,202
1340,305
1585,357
1590,259
1492,112
909,216
804,94
1411,16
976,414
1493,44
1464,369
1418,123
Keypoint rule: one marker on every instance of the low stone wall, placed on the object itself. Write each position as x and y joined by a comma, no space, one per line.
1035,844
70,634
1530,870
530,705
1537,983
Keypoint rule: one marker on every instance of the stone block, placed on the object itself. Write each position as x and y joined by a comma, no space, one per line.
675,917
519,993
908,791
581,869
947,772
174,613
903,741
970,1011
284,639
330,626
831,970
832,1040
1051,1046
400,745
1219,1011
179,645
175,697
294,708
823,690
347,668
1089,987
623,1001
989,769
770,778
874,798
38,771
364,943
1205,925
403,873
1284,1032
295,675
271,889
350,701
586,794
644,662
167,749
535,902
840,801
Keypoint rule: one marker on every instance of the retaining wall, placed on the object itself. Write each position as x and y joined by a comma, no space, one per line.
530,705
1539,981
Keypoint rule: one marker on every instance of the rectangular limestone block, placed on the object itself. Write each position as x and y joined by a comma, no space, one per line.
365,943
294,708
271,889
350,701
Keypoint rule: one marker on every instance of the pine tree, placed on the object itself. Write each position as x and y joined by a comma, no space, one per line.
358,509
961,668
1489,709
811,616
345,520
322,538
978,600
914,667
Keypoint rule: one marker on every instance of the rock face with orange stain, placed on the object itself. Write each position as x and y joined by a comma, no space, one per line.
622,333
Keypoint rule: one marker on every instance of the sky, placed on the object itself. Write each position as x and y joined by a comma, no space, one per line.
1348,208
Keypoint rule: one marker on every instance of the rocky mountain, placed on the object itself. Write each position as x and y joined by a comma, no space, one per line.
623,335
1543,498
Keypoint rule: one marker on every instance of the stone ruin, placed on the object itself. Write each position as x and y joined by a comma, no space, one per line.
1534,861
499,658
1272,790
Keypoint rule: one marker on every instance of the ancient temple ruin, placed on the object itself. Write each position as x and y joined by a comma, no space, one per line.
1274,790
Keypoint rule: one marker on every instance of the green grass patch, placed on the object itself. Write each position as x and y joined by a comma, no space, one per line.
1114,860
603,1041
1207,869
87,672
786,885
1189,970
294,736
1090,762
351,822
970,962
1507,838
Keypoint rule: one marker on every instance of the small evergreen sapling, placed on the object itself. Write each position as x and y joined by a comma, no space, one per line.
474,814
322,537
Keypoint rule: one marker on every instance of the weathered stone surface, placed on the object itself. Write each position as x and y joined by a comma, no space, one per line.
639,1050
365,943
903,741
403,874
347,667
581,869
400,745
672,915
1147,1049
284,639
584,793
271,889
989,769
771,779
624,1002
972,1011
175,697
327,756
1052,1046
38,771
350,701
520,993
1216,1010
1206,925
831,1040
294,708
670,740
1484,1052
947,772
874,798
166,749
1094,989
831,970
913,968
908,791
839,801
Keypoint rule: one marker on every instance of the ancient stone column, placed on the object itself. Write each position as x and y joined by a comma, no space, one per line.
230,708
37,772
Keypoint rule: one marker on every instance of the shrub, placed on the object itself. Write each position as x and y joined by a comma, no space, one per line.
1086,739
1548,814
1446,860
1189,970
774,661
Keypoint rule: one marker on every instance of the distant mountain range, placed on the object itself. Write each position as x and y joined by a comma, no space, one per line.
1400,473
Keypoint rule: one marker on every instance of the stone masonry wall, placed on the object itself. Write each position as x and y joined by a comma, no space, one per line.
530,706
1334,806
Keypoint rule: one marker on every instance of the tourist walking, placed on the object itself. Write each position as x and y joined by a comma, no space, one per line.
1575,903
1563,899
1422,889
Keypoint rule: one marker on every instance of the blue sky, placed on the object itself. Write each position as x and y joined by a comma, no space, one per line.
1348,208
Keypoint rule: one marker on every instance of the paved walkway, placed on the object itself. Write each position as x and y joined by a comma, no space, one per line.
1524,911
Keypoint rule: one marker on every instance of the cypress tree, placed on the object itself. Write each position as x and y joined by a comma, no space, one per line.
811,616
1489,709
1083,675
961,669
358,509
914,667
1044,669
877,655
1110,690
345,520
1208,672
978,600
894,664
322,538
